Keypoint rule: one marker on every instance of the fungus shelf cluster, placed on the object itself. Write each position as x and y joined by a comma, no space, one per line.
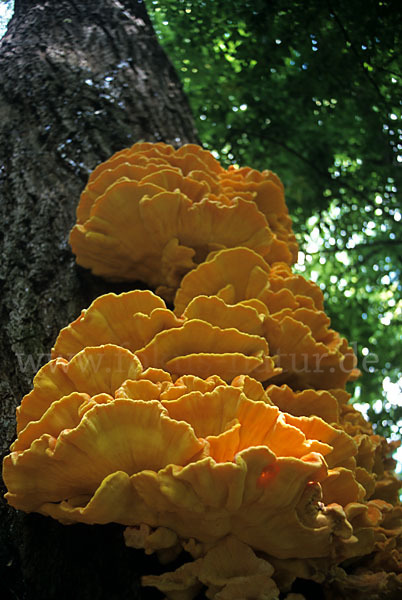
220,426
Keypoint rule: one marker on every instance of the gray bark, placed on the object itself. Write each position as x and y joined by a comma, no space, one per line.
78,81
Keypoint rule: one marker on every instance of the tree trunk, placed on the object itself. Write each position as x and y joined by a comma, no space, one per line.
78,81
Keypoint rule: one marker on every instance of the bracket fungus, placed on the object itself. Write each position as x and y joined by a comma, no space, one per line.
204,341
223,426
308,353
153,213
230,569
204,464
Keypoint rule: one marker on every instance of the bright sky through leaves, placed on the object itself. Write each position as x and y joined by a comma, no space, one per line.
6,11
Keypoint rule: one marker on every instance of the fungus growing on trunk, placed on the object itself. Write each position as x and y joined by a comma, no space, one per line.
153,213
308,352
196,456
222,427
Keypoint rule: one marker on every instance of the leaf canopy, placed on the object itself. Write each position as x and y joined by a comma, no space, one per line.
312,91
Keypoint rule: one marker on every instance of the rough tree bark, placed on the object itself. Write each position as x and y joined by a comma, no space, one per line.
78,81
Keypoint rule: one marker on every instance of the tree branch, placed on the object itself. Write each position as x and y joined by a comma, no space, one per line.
356,53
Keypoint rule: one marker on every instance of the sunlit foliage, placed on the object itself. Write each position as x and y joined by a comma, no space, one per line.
312,91
6,10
